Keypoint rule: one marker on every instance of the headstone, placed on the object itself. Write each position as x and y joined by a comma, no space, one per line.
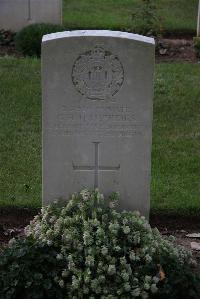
97,115
16,14
198,21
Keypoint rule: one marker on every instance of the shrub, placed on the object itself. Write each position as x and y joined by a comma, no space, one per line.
86,249
27,270
197,46
28,40
146,18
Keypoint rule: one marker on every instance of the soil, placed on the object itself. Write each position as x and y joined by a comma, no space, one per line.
9,51
179,227
167,50
175,50
13,221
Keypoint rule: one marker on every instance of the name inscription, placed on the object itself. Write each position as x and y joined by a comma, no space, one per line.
103,120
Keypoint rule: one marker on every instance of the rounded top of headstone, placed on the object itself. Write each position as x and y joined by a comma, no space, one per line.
98,33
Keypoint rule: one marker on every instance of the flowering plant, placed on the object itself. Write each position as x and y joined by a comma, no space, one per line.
103,253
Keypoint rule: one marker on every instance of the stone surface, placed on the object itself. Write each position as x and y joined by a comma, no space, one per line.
16,14
194,235
198,21
97,115
195,246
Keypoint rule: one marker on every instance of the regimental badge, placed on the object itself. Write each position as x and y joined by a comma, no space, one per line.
97,74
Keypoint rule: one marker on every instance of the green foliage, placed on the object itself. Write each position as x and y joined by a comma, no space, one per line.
6,38
27,270
86,249
197,46
28,40
181,283
146,18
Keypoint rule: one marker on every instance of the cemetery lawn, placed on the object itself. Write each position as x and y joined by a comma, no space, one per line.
177,17
176,151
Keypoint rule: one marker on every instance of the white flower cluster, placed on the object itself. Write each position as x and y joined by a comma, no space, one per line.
107,254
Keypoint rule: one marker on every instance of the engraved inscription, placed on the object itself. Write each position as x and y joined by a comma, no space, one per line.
99,120
97,74
96,167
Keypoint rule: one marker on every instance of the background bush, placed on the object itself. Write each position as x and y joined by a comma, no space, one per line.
146,18
28,40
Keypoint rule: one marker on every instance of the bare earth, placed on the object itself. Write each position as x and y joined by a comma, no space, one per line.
168,50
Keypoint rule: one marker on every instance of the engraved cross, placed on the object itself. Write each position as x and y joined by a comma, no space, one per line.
96,167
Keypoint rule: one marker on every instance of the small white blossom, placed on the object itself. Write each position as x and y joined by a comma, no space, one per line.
61,283
49,242
111,269
65,273
85,194
154,288
135,292
104,250
59,257
12,242
127,287
144,295
126,230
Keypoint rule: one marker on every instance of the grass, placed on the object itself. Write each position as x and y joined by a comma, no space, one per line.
177,17
176,151
176,139
20,132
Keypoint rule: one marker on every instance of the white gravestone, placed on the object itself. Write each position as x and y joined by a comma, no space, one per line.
97,115
16,14
198,21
